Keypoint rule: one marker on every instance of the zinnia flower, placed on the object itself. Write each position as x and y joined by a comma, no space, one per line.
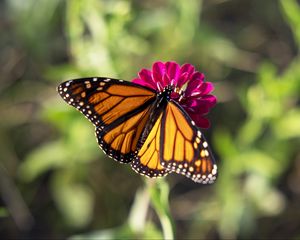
190,90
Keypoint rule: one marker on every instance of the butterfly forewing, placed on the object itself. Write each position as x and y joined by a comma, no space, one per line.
118,109
104,100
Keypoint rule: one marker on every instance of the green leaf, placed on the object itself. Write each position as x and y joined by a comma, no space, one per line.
288,125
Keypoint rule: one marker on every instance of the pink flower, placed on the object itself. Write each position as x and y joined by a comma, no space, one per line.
190,90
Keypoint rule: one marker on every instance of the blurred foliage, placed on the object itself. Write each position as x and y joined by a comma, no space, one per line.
55,182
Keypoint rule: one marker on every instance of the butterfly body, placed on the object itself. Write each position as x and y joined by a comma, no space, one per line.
146,128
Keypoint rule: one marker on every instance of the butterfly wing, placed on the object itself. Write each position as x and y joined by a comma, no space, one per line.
147,160
183,148
118,109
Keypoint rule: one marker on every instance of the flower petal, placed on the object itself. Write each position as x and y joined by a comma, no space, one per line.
211,100
145,75
173,71
196,106
199,120
202,122
203,89
198,76
184,77
206,88
143,83
158,70
166,80
192,86
186,72
195,82
187,68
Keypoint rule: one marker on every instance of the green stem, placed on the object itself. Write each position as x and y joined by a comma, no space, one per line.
139,209
159,198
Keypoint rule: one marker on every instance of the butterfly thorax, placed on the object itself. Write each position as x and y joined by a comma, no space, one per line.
171,92
166,92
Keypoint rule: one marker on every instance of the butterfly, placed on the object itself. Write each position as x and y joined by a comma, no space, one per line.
142,127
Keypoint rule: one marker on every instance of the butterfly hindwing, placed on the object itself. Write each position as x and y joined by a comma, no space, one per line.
184,148
120,141
147,161
118,109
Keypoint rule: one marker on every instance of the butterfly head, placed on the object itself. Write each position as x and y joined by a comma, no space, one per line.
167,91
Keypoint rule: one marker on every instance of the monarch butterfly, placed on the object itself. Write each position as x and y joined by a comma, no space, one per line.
146,128
142,122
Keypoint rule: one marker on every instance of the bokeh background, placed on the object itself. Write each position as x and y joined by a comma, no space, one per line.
54,180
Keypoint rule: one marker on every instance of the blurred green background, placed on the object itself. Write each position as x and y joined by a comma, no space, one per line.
56,182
